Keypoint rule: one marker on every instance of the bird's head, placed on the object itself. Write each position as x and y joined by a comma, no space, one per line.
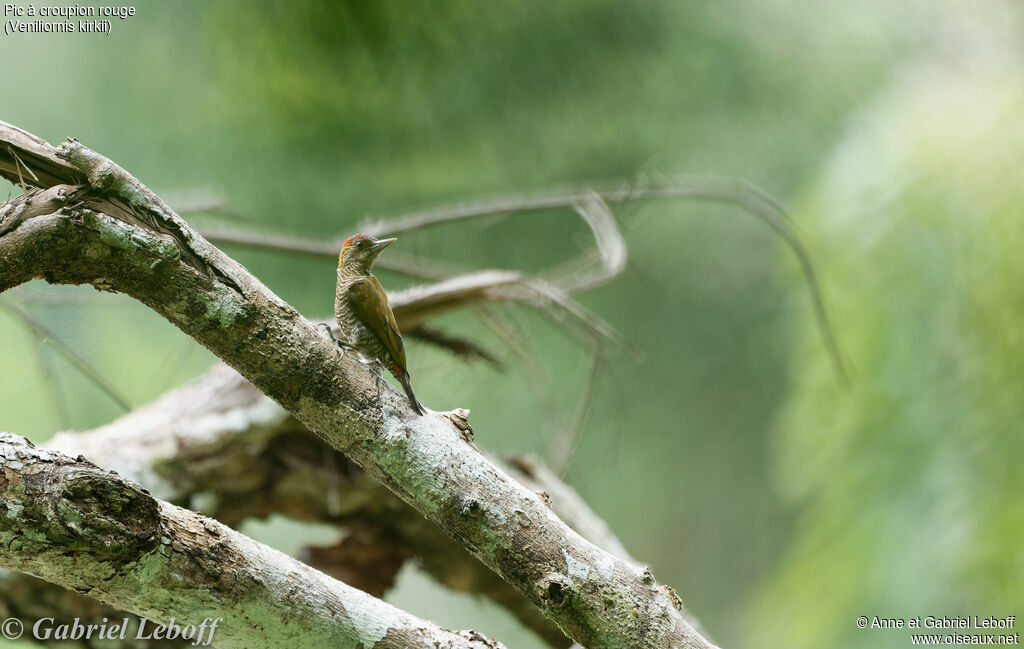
360,251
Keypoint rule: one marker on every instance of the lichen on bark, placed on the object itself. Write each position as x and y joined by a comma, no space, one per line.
90,530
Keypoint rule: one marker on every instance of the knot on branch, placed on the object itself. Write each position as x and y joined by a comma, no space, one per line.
545,497
460,418
109,517
476,638
470,507
672,596
52,501
554,589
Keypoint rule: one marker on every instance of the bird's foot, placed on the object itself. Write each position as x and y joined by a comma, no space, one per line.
342,345
326,327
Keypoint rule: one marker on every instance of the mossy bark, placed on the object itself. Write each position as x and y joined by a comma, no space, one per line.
71,523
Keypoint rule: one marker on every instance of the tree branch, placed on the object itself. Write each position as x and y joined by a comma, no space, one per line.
115,234
589,201
219,442
218,436
29,598
88,530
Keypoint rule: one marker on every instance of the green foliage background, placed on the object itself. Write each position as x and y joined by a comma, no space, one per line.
779,505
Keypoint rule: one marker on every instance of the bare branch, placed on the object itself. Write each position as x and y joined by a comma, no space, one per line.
734,191
610,259
22,150
461,347
415,305
220,436
513,340
140,247
88,530
575,511
396,260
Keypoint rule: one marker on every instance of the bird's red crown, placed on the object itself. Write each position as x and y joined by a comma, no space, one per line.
353,238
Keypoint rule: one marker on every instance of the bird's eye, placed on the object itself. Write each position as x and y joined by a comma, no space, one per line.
359,244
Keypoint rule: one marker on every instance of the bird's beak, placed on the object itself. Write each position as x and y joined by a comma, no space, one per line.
381,244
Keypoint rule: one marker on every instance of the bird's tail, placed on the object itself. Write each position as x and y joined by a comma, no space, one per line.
403,378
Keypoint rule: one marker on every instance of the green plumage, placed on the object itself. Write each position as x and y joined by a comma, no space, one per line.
363,313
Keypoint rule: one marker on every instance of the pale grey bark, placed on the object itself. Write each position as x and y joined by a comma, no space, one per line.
89,530
220,442
115,234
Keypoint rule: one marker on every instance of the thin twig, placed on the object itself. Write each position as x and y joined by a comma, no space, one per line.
17,166
538,291
595,326
719,188
460,347
60,404
564,445
413,266
203,200
722,189
276,242
609,258
513,341
82,365
416,304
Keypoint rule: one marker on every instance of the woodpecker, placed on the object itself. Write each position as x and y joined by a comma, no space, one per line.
363,313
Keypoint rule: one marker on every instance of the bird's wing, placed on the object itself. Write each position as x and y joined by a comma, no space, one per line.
370,304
